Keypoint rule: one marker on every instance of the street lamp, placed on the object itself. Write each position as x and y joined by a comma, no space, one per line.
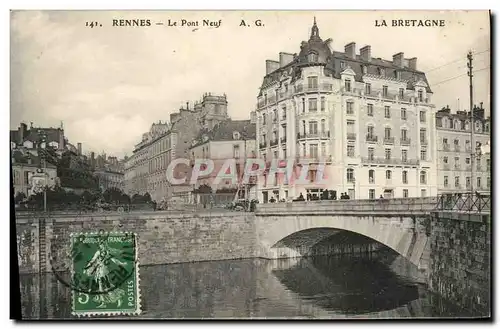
43,139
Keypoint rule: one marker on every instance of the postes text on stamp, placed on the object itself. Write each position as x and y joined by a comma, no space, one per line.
105,274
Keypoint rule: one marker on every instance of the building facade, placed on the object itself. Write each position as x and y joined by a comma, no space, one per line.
370,121
25,168
463,165
231,139
145,170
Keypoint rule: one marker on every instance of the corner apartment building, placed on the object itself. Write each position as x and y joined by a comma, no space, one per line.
145,170
371,121
231,139
463,166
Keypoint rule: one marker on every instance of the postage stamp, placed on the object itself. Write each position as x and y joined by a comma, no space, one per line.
105,274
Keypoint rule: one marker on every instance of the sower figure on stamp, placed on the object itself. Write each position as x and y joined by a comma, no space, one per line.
98,267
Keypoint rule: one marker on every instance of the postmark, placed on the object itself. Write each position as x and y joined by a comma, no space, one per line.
104,274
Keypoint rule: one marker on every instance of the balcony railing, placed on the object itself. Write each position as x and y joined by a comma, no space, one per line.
371,138
410,162
351,136
388,140
405,141
424,142
446,147
313,88
322,134
273,142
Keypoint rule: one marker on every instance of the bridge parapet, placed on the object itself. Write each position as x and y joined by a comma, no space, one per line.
368,206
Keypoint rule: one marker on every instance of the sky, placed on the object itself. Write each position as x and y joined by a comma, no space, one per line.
108,84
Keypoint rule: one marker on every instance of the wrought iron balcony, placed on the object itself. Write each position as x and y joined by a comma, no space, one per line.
371,138
405,141
389,140
322,134
351,136
313,88
411,162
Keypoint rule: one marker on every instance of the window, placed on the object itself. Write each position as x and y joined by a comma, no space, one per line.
350,107
371,153
467,182
364,69
350,126
275,115
387,132
371,193
423,154
303,105
478,182
275,154
304,149
405,177
488,182
371,176
323,125
423,135
445,181
347,84
350,150
381,71
370,130
423,177
439,122
445,159
313,151
457,181
422,116
404,155
423,193
236,151
420,95
388,174
467,161
264,117
488,164
403,114
284,152
368,88
467,145
384,91
313,127
369,110
401,93
405,193
312,58
342,64
404,134
313,104
387,154
323,106
387,111
323,148
350,175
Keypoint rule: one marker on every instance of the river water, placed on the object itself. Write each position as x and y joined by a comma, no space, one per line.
317,287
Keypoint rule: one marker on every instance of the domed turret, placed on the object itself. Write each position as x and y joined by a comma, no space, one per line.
315,50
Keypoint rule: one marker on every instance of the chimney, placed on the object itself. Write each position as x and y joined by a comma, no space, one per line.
285,58
412,63
271,66
79,148
22,132
187,105
398,59
481,105
61,139
366,53
253,117
350,50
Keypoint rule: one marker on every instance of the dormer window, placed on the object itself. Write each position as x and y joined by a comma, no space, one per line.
236,135
342,65
312,57
445,122
487,127
478,127
381,71
364,69
420,95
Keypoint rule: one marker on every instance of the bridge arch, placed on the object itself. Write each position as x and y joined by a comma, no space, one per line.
396,232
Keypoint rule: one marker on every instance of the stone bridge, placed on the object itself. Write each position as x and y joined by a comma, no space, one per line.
295,229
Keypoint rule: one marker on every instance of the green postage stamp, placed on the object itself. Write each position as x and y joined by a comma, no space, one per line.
105,274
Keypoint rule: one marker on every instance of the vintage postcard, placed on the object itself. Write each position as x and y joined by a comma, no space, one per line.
251,164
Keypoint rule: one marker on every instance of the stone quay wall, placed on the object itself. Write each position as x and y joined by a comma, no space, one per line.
163,237
460,259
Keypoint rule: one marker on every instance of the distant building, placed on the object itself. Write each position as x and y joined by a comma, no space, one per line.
110,179
227,140
458,160
25,167
31,139
145,170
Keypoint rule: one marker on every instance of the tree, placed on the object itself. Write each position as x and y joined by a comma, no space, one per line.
136,198
20,196
146,198
112,195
